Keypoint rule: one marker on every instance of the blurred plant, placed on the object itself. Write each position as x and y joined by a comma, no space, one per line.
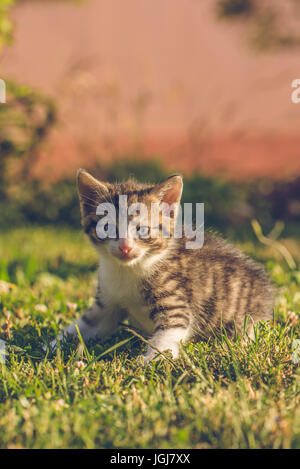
5,22
25,121
234,7
271,26
6,25
273,243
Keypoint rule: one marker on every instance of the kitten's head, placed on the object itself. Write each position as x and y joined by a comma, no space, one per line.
148,232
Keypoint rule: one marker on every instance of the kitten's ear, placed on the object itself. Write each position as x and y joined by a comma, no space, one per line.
90,192
170,190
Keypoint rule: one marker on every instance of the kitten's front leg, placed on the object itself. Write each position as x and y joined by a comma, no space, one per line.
167,339
96,322
172,321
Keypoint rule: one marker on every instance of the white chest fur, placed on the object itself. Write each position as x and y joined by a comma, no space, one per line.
121,288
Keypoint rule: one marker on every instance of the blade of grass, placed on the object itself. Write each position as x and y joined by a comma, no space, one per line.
274,244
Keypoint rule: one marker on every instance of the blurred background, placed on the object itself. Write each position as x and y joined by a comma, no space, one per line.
147,88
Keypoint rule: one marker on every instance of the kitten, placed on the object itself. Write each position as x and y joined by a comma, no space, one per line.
170,293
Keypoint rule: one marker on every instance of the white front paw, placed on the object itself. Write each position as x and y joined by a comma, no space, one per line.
51,347
152,354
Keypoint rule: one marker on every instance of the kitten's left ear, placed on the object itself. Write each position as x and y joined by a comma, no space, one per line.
170,190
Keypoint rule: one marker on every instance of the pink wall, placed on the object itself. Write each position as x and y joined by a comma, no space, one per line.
162,75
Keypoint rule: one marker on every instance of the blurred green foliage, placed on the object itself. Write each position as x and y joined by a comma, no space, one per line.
5,22
229,207
25,121
271,24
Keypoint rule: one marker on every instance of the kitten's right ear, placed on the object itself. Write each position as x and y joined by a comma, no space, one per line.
90,192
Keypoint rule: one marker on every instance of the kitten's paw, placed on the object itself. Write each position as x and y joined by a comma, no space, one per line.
50,347
152,354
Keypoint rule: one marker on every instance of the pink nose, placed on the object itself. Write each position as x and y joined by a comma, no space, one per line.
124,247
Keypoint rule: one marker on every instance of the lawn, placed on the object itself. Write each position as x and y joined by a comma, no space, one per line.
220,394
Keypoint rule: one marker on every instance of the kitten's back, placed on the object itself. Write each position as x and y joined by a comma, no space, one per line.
225,286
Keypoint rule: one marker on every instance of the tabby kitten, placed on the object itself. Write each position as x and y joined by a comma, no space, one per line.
170,293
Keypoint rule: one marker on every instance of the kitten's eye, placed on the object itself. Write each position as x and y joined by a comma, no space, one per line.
143,231
106,230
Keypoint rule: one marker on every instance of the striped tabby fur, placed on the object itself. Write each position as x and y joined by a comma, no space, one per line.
172,294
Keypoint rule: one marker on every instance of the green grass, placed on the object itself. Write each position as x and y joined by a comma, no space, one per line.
220,394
